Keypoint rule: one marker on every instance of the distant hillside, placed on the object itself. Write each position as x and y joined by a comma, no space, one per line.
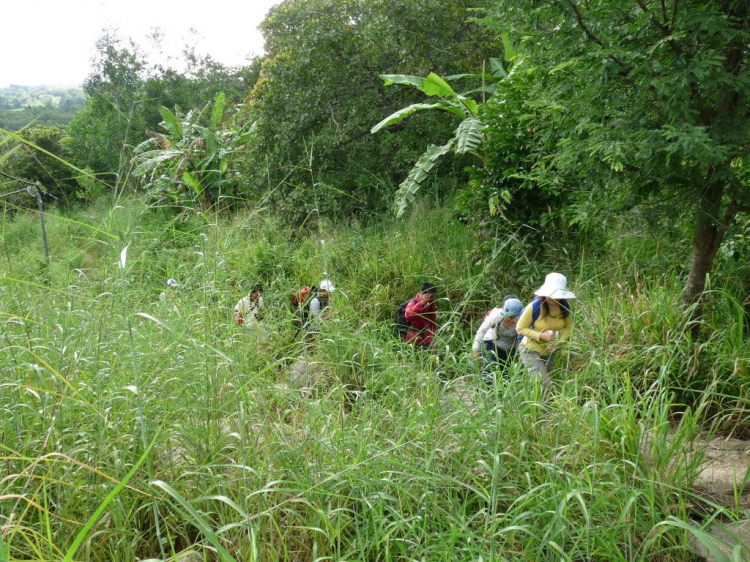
47,105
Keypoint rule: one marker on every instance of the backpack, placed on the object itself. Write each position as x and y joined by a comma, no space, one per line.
401,325
536,310
301,302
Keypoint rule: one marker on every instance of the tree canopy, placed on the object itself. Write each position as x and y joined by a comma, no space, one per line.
644,102
319,92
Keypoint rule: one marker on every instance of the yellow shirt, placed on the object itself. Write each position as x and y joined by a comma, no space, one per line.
555,322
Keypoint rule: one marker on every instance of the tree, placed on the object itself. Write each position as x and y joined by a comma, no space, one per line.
319,91
194,164
126,94
466,138
39,167
113,118
648,102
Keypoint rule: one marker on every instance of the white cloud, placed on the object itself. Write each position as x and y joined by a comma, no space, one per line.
52,41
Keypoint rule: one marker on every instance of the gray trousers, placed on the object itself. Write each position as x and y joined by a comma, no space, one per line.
537,364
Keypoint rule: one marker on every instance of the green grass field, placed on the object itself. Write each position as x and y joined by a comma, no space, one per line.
141,428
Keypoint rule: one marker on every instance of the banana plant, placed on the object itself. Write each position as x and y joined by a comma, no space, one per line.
192,164
468,136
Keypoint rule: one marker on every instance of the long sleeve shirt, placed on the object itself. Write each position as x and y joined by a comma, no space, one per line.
555,322
422,320
493,329
248,310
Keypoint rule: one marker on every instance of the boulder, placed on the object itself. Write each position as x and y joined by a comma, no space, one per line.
727,537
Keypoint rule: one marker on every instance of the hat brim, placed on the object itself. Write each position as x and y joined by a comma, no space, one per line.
555,293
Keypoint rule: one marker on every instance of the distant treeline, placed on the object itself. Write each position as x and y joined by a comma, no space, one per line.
40,105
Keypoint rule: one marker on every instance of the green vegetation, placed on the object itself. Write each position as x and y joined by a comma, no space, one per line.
383,459
605,141
42,105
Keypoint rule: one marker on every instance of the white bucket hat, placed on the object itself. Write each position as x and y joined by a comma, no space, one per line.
555,287
326,285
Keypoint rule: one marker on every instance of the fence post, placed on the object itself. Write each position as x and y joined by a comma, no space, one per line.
40,203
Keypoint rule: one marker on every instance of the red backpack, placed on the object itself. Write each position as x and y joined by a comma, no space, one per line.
301,299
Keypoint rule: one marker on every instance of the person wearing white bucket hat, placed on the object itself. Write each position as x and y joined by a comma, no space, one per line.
545,323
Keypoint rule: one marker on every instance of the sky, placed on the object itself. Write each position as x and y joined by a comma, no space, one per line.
53,41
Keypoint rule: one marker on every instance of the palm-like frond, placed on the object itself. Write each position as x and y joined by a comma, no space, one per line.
469,135
408,189
150,160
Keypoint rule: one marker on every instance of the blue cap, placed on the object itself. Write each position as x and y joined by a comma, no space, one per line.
513,307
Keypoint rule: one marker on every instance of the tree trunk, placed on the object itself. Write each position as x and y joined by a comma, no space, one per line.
709,232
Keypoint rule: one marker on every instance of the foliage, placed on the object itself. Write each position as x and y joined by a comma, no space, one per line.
245,460
21,106
125,93
516,140
41,166
195,163
319,94
466,138
20,97
646,102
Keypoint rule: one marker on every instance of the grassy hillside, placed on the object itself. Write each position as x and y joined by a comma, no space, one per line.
222,453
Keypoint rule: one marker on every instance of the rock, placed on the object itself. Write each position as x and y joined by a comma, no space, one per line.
727,464
732,534
174,454
722,472
304,374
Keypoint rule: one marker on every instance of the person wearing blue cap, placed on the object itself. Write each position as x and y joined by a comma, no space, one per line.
498,336
171,289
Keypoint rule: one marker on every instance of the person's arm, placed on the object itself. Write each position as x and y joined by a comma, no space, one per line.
415,314
492,318
431,318
524,323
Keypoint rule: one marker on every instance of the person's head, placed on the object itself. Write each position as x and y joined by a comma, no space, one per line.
325,288
257,291
428,291
172,283
555,289
513,309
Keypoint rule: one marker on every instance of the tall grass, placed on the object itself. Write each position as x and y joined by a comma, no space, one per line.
383,459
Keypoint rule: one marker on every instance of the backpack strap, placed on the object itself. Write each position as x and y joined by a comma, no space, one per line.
536,310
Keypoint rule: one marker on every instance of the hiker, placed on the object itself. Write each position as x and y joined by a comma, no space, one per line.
250,309
319,302
544,324
171,289
421,317
310,303
498,336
